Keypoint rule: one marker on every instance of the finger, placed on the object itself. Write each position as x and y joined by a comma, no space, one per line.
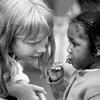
39,89
32,96
35,96
41,96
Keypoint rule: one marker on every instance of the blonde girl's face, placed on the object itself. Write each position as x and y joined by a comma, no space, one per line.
79,52
29,50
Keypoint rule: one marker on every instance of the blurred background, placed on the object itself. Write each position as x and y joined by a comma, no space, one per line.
60,8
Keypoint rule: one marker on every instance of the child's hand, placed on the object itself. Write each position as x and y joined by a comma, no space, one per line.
27,92
55,73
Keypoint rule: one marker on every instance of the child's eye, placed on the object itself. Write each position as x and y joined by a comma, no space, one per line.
74,44
32,42
35,43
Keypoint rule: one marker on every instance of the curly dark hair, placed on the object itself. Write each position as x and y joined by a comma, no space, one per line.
89,4
90,21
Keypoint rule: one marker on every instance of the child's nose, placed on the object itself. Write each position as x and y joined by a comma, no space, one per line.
42,49
69,49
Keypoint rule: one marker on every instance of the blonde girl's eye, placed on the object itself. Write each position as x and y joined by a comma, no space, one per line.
31,41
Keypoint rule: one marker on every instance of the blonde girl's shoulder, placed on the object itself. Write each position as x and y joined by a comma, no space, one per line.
17,73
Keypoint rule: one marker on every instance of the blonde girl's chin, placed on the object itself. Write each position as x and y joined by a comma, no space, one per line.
31,63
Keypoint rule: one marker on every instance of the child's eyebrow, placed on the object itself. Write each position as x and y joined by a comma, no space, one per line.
47,35
70,39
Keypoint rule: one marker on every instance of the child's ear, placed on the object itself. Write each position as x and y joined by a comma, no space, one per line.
10,52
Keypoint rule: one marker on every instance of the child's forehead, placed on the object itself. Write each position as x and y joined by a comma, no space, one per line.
33,33
76,27
77,30
41,35
40,31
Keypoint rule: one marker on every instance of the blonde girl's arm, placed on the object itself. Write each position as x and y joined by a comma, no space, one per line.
22,89
27,92
20,76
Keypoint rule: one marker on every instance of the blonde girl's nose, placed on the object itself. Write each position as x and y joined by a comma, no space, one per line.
42,49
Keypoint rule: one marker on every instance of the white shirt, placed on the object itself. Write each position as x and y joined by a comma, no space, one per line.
17,74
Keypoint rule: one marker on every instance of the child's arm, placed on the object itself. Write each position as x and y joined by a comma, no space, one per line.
21,89
59,88
20,76
57,81
93,93
27,92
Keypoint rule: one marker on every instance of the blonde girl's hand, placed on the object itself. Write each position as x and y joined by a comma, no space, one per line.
41,96
40,92
27,92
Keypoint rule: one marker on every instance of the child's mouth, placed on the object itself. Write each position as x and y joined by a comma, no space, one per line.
69,60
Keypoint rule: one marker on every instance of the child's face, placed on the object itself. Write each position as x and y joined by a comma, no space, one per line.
30,51
78,49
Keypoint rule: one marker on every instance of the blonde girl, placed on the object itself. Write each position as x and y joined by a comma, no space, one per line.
25,34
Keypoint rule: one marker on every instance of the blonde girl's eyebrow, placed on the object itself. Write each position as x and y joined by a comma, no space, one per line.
34,42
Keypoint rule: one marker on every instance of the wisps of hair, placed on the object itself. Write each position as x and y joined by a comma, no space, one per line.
20,18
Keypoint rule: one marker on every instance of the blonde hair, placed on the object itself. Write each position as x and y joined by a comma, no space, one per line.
31,13
20,18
